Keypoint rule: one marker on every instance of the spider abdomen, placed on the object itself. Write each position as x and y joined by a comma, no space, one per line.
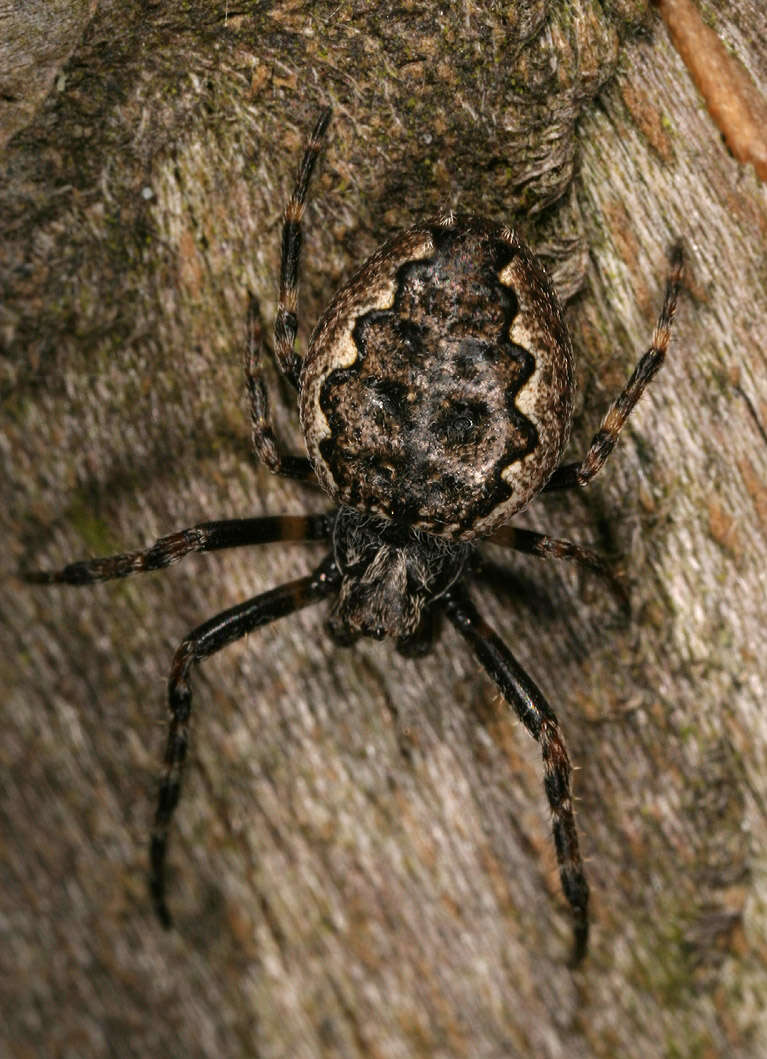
437,387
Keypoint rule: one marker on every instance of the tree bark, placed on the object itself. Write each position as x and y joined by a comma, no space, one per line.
361,862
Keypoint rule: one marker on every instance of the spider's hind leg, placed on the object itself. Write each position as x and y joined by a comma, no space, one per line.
286,321
265,441
603,442
268,448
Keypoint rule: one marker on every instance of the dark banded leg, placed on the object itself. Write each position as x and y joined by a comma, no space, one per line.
286,321
538,717
603,443
202,642
268,449
545,547
205,537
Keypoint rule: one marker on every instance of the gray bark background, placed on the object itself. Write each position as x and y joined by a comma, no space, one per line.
361,863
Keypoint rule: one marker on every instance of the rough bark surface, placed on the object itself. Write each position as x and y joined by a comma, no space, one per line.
361,862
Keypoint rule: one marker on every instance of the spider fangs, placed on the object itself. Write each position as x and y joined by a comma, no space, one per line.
435,400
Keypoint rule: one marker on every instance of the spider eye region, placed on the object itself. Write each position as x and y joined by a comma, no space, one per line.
390,576
437,388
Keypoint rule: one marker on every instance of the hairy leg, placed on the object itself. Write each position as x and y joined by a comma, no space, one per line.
603,443
286,321
205,537
202,642
546,547
538,717
268,449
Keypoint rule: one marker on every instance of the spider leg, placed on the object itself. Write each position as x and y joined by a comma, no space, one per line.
603,442
268,448
202,642
546,547
286,321
205,537
538,717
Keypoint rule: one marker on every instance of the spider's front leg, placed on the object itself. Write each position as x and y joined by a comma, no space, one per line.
540,544
209,637
539,719
204,537
603,442
202,642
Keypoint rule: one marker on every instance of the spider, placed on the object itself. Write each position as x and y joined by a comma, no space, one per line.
435,400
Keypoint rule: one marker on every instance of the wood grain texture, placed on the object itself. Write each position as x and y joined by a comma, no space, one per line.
361,864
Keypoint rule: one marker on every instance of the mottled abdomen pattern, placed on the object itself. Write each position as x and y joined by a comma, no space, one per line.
437,387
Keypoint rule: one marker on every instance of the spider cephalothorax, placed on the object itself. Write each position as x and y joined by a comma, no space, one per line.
435,400
391,576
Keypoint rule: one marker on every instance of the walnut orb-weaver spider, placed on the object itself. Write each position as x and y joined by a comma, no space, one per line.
435,400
